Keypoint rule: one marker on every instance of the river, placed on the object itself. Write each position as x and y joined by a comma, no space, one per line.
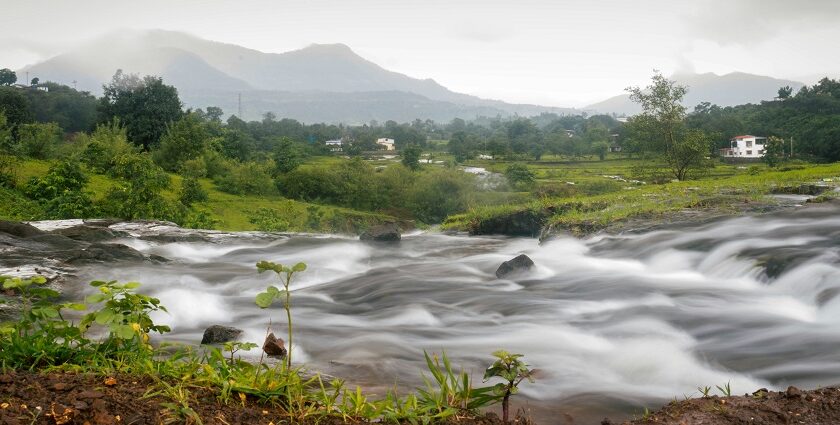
614,323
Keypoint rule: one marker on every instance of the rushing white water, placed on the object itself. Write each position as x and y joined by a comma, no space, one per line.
614,323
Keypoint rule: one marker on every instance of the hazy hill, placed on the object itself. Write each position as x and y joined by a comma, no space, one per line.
298,84
736,88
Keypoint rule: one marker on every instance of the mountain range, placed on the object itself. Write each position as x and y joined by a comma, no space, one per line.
736,88
326,82
319,83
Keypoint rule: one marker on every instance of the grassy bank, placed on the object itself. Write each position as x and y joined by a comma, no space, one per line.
223,210
727,188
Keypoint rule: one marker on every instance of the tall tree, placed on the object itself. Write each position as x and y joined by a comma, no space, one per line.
7,77
146,107
662,128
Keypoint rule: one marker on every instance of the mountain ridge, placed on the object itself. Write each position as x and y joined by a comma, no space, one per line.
208,71
730,89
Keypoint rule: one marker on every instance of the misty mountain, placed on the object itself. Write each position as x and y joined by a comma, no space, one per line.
732,89
317,83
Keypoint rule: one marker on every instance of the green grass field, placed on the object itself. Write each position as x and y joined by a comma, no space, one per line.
580,197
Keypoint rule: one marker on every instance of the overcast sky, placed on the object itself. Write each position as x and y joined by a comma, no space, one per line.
552,52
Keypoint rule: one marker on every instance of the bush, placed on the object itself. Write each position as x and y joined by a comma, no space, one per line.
61,191
269,220
138,193
191,192
102,148
249,178
184,140
38,140
8,171
519,176
439,193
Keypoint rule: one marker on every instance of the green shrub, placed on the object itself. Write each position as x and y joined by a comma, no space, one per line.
38,140
191,192
439,193
519,176
138,191
61,191
249,178
269,220
102,148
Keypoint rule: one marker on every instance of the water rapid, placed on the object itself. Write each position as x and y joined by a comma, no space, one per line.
613,322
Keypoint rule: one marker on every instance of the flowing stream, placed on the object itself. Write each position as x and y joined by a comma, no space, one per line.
613,323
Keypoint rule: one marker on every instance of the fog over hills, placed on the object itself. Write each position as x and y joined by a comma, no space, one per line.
328,83
731,89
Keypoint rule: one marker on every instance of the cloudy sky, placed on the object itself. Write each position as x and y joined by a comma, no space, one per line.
552,52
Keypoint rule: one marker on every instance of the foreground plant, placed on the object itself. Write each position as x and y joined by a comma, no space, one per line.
267,298
513,371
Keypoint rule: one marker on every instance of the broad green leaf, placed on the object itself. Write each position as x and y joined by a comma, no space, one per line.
132,285
76,306
104,317
40,280
264,299
95,298
272,290
123,331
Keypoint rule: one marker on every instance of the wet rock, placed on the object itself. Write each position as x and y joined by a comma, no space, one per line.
20,230
218,334
518,223
274,347
105,252
520,263
89,233
388,232
793,392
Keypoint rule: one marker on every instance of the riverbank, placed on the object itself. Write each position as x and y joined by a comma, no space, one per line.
57,398
793,406
647,205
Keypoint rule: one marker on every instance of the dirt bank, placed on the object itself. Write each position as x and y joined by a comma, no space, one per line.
794,406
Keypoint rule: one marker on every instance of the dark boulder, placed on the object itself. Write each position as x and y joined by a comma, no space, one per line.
274,347
89,233
105,252
518,264
218,334
21,230
388,232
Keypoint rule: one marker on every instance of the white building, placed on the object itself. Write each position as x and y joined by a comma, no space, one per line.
334,145
388,144
746,146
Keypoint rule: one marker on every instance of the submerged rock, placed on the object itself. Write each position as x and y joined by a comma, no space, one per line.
274,347
517,264
388,232
218,334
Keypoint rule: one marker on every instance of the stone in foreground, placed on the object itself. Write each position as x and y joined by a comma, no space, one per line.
520,263
388,232
218,334
274,347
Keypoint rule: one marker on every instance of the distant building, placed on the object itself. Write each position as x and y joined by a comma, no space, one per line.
335,145
614,145
570,133
387,144
32,87
747,146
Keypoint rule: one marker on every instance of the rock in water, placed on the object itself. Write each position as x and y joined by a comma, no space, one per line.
21,230
218,334
518,264
274,346
388,232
